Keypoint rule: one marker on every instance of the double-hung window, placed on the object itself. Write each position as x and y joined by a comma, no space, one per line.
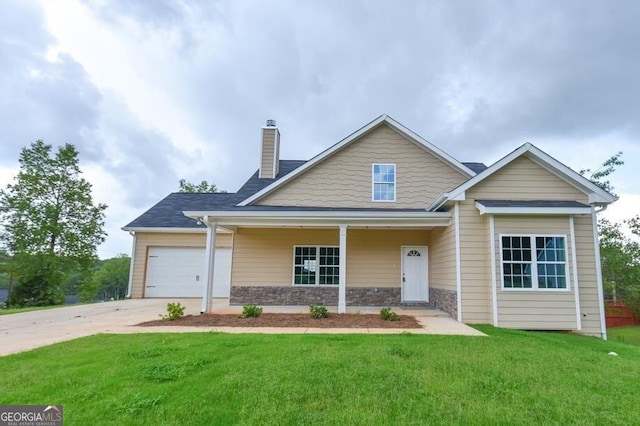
316,265
384,182
535,262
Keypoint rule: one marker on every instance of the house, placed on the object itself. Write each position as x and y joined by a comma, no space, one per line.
384,217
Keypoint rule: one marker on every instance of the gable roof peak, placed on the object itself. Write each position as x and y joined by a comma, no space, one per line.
383,118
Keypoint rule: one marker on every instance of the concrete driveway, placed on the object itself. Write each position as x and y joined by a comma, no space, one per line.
30,330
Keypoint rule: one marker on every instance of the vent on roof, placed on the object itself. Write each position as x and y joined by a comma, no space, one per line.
271,123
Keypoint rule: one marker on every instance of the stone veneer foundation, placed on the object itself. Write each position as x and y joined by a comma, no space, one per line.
358,296
445,300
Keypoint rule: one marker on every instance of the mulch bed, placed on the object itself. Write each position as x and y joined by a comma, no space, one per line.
288,320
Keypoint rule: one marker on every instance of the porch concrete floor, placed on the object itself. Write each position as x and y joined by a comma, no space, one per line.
30,330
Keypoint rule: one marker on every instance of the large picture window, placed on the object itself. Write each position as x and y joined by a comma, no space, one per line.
316,265
535,262
384,182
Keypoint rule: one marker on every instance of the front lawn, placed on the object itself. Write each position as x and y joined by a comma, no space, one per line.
629,334
510,377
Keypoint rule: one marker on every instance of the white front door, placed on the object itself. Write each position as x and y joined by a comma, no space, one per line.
414,274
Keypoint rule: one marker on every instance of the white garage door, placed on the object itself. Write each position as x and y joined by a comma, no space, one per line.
179,272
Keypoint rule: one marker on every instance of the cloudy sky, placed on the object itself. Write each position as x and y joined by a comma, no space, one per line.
157,90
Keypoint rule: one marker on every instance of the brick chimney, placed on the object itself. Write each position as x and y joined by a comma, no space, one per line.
270,158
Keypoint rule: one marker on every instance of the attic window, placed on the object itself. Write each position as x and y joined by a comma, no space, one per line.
384,182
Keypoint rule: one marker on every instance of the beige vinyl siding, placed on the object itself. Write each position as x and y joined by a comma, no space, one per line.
144,240
474,265
522,179
587,278
442,258
374,256
345,178
535,309
264,257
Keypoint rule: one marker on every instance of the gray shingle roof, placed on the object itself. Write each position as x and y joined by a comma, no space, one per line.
476,167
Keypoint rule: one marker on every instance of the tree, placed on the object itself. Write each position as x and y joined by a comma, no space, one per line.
50,223
608,167
109,281
202,187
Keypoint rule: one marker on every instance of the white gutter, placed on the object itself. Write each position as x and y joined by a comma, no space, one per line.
161,230
378,214
133,257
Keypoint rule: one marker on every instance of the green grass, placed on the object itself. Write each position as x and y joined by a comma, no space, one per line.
29,309
629,334
511,377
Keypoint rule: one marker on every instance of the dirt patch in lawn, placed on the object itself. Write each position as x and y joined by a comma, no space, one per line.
288,320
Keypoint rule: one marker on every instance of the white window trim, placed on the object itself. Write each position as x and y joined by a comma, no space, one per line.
293,269
534,263
373,183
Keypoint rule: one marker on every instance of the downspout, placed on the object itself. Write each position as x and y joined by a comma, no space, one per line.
133,256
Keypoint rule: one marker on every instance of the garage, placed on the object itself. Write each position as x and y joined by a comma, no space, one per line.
179,272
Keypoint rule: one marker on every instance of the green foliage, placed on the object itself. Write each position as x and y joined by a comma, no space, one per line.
174,312
318,311
48,213
620,265
39,281
110,281
202,187
251,311
388,315
598,175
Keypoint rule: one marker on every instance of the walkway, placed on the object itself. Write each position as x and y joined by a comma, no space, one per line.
30,330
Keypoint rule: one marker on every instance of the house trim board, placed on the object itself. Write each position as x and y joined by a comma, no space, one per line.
342,284
532,210
132,264
209,265
494,281
456,215
596,246
574,261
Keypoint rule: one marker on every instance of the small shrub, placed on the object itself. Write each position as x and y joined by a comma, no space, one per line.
318,311
174,311
251,311
388,315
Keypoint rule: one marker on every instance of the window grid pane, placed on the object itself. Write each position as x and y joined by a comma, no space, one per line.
384,182
547,270
516,269
305,265
316,266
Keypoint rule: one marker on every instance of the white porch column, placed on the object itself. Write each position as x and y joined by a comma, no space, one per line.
342,288
210,257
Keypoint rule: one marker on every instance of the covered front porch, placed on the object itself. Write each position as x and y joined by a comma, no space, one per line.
335,258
